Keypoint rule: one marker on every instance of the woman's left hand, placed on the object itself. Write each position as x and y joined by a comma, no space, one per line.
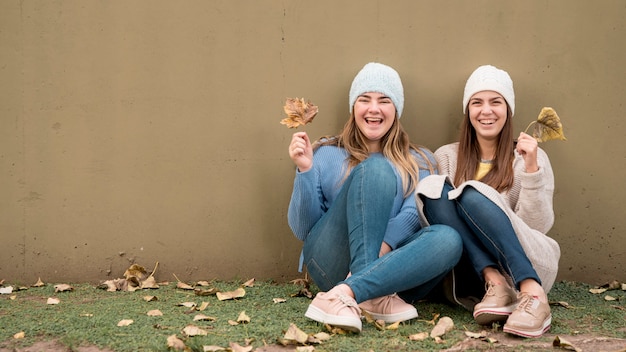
527,148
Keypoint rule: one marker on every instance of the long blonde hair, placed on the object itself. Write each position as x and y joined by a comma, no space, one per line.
501,175
395,146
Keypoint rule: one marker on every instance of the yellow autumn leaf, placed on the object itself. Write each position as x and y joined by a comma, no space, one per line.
19,335
39,283
547,126
393,326
299,112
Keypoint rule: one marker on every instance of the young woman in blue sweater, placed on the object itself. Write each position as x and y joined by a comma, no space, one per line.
353,204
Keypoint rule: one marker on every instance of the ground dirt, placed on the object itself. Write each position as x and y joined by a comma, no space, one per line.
505,342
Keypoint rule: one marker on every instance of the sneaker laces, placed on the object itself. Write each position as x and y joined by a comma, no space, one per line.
526,303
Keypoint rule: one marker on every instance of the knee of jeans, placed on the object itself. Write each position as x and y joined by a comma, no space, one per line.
471,197
451,240
378,170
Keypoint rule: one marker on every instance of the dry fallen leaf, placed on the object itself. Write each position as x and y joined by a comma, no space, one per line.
192,330
213,348
444,325
305,349
150,298
53,301
175,343
199,317
203,306
295,334
597,290
187,304
125,322
419,336
393,326
547,126
6,290
39,283
279,300
154,313
249,283
63,288
235,347
562,304
560,342
208,292
19,335
609,298
299,112
243,317
238,293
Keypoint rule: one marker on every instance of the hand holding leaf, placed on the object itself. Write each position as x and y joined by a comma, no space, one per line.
547,126
299,112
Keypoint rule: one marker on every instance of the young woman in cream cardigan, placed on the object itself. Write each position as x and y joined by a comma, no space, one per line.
497,194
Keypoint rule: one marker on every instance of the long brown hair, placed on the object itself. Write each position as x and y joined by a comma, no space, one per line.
500,176
395,146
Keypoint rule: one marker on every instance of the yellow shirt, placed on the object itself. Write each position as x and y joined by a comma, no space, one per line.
483,169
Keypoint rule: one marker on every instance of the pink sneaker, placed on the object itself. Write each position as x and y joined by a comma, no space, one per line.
336,309
531,318
497,304
389,308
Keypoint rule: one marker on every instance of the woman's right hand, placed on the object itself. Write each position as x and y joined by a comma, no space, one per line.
301,151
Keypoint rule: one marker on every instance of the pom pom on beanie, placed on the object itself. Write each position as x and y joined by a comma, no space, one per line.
489,77
378,78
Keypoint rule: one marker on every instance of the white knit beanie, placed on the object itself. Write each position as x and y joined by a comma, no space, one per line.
378,78
488,77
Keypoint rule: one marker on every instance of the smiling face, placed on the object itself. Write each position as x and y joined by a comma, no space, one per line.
487,114
374,114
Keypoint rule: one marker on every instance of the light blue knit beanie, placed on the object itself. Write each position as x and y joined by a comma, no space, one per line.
378,78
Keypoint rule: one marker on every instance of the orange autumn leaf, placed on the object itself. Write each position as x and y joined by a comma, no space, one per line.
299,112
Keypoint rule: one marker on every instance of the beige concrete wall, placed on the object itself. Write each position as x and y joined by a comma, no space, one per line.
145,131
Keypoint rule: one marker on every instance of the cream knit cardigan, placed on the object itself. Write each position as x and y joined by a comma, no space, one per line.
528,205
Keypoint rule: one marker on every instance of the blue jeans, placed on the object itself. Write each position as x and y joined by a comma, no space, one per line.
489,239
348,237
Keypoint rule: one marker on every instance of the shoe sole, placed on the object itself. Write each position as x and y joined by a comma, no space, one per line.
394,318
526,333
346,323
489,316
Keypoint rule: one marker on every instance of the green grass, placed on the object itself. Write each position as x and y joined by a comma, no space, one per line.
89,316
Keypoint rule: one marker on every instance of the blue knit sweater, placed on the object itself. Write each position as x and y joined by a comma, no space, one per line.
315,190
